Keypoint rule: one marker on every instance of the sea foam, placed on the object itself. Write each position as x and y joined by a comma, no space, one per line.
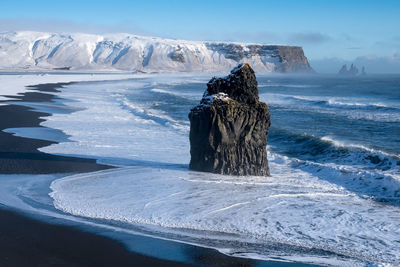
291,207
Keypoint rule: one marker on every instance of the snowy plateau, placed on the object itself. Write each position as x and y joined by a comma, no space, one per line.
39,51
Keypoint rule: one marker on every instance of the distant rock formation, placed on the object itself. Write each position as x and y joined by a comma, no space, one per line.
363,71
353,71
229,129
343,70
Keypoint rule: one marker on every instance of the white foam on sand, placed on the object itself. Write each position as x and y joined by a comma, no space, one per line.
42,133
14,84
291,208
106,127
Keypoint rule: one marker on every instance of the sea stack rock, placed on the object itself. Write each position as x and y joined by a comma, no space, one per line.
229,128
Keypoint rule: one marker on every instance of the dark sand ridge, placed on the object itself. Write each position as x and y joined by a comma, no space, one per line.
28,242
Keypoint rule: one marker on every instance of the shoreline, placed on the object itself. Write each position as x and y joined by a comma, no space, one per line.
28,242
20,155
25,241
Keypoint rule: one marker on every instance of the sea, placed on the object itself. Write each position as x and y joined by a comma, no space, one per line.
333,197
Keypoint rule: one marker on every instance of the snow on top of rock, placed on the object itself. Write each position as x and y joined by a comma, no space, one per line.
208,99
236,69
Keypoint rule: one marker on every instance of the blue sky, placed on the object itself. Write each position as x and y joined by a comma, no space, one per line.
331,32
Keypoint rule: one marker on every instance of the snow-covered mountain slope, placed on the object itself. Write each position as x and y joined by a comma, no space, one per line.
127,52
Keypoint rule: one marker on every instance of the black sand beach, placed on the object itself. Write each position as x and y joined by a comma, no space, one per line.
25,241
20,155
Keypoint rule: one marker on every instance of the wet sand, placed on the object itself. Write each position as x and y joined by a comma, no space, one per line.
27,242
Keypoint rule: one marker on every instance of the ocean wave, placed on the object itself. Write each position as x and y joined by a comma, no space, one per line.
287,85
351,158
349,103
332,102
163,91
352,110
343,144
166,80
157,116
368,172
177,93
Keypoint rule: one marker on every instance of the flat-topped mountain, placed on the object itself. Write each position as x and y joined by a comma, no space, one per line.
127,52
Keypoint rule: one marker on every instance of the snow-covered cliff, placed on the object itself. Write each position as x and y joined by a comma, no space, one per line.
127,52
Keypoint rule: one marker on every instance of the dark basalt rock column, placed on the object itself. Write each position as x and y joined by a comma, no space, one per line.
228,130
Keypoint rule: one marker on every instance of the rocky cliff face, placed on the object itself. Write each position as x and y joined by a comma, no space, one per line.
126,52
228,130
286,58
292,59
